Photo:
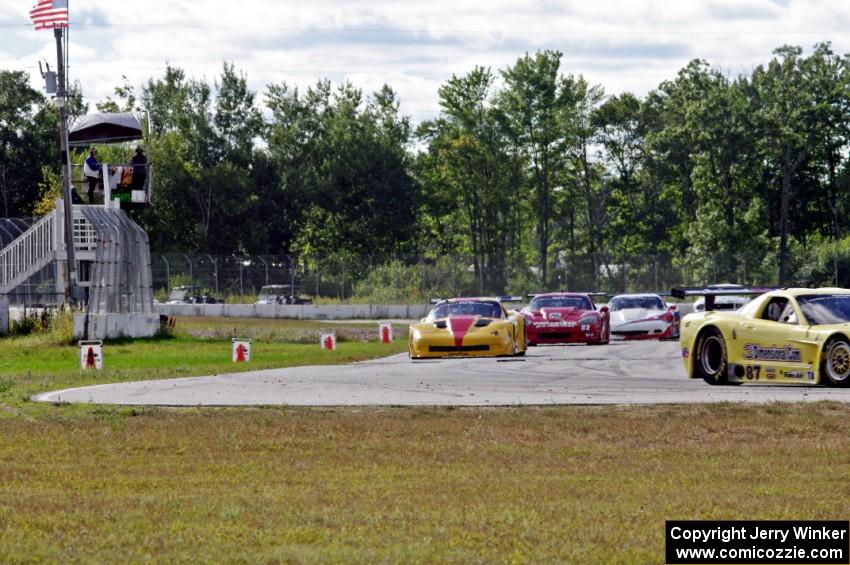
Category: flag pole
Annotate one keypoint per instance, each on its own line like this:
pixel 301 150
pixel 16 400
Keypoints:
pixel 67 43
pixel 71 267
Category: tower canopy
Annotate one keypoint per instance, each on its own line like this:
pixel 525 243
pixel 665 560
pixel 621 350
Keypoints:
pixel 105 128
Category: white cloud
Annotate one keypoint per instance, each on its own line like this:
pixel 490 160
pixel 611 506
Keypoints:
pixel 415 46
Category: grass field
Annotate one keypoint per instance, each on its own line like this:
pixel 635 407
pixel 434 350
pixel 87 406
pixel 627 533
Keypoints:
pixel 573 484
pixel 562 484
pixel 38 363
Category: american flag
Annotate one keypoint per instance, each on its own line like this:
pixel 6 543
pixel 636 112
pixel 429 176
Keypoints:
pixel 48 14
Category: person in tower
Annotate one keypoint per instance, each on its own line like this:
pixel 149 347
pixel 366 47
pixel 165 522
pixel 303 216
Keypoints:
pixel 139 169
pixel 92 172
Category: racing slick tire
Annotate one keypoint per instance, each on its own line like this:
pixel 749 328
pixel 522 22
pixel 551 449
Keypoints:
pixel 711 360
pixel 835 366
pixel 604 336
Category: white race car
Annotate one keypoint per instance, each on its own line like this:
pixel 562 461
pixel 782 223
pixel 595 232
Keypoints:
pixel 723 302
pixel 642 316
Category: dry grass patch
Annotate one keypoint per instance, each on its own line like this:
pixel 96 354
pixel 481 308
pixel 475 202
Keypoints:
pixel 577 484
pixel 281 330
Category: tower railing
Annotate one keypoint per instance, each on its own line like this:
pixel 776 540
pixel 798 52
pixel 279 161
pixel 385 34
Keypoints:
pixel 31 251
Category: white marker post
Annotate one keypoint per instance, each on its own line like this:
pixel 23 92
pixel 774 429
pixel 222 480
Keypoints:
pixel 91 354
pixel 328 342
pixel 385 332
pixel 241 350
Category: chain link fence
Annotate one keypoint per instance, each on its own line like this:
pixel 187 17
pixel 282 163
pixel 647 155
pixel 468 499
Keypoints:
pixel 410 279
pixel 389 280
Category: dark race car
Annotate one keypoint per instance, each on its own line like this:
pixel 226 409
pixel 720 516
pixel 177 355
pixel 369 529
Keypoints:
pixel 566 317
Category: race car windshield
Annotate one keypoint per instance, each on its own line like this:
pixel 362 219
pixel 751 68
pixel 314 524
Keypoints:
pixel 821 309
pixel 483 309
pixel 643 302
pixel 577 302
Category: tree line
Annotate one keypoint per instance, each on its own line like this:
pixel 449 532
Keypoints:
pixel 528 170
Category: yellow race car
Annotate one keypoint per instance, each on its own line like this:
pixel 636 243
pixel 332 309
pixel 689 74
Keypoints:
pixel 469 327
pixel 789 336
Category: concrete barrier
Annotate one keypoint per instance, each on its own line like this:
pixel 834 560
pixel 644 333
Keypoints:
pixel 109 326
pixel 316 311
pixel 300 311
pixel 4 314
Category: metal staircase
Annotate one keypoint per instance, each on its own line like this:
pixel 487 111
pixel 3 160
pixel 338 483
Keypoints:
pixel 112 262
pixel 29 253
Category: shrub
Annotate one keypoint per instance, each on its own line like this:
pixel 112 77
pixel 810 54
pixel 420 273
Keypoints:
pixel 398 282
pixel 54 327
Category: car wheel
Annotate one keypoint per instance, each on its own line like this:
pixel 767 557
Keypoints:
pixel 711 359
pixel 835 366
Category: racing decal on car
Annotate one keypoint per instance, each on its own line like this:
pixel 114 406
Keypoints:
pixel 685 352
pixel 459 326
pixel 792 375
pixel 555 316
pixel 758 353
pixel 770 373
pixel 810 375
pixel 554 324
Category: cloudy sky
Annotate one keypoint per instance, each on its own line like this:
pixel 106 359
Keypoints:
pixel 414 46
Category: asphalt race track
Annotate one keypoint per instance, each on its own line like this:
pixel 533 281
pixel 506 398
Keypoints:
pixel 620 373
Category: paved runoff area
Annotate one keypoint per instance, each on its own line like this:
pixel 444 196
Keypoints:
pixel 620 373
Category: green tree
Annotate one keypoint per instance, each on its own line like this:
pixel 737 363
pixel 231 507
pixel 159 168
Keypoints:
pixel 126 99
pixel 830 77
pixel 785 111
pixel 473 170
pixel 204 143
pixel 588 174
pixel 702 152
pixel 29 139
pixel 238 122
pixel 725 177
pixel 620 133
pixel 343 167
pixel 531 102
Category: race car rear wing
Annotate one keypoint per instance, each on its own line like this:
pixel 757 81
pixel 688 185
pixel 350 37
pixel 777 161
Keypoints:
pixel 711 293
pixel 573 292
pixel 499 298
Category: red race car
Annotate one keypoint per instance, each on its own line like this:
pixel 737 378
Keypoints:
pixel 566 317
